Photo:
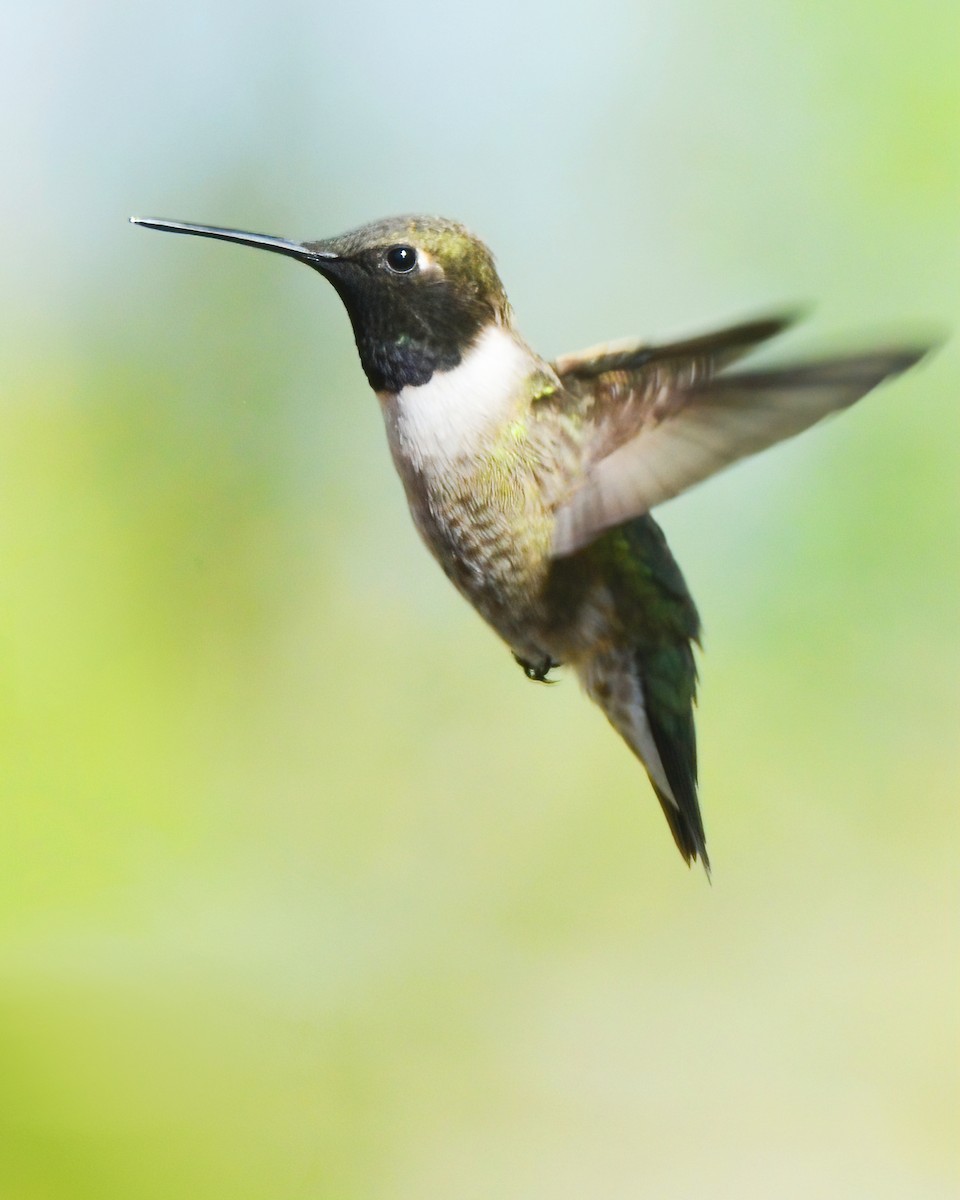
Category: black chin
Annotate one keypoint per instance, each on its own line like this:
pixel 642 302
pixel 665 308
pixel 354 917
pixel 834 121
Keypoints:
pixel 392 366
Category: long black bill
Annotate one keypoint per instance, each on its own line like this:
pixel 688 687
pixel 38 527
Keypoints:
pixel 314 258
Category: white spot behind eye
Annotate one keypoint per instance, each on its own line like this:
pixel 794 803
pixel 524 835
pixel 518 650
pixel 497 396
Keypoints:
pixel 427 263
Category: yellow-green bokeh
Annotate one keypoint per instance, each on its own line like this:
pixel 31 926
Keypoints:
pixel 304 891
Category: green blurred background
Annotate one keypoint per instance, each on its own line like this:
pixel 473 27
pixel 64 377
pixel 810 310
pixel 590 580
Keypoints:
pixel 304 891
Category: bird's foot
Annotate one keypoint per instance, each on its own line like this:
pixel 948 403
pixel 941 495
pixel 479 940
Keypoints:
pixel 539 670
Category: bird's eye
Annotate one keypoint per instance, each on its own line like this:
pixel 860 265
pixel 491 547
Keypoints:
pixel 401 259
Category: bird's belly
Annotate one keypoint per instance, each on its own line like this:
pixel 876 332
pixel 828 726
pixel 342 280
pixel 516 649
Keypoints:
pixel 496 552
pixel 499 559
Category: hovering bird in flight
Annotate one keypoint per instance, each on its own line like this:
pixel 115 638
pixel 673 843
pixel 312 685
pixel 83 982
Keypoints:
pixel 532 482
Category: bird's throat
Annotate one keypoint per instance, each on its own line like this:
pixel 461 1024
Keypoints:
pixel 453 414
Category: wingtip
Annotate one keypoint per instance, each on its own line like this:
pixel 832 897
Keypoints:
pixel 777 321
pixel 910 356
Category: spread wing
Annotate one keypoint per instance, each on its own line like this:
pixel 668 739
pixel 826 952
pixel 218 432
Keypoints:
pixel 659 419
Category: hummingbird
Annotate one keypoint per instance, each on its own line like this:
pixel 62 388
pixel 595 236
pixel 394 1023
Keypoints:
pixel 532 481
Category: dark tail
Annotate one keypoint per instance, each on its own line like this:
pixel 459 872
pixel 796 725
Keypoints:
pixel 647 683
pixel 668 676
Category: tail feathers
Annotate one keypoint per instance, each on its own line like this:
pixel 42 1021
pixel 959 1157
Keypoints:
pixel 648 698
pixel 687 829
pixel 669 695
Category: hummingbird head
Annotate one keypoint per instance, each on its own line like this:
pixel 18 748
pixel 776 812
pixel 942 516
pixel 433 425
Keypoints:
pixel 418 290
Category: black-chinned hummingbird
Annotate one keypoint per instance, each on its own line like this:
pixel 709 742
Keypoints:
pixel 532 482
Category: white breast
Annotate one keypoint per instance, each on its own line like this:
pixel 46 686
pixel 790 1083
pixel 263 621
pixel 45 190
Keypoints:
pixel 450 416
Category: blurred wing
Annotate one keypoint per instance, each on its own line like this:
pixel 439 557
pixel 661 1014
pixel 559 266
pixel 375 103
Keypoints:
pixel 662 427
pixel 618 389
pixel 712 351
